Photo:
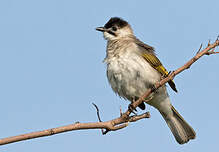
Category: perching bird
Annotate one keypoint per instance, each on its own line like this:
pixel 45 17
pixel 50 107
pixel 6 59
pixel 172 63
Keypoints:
pixel 133 68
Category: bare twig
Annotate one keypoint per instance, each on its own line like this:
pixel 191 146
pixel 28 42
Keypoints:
pixel 209 42
pixel 199 49
pixel 98 115
pixel 98 112
pixel 124 119
pixel 120 110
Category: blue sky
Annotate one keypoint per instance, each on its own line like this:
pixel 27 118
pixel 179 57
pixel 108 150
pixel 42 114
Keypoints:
pixel 51 72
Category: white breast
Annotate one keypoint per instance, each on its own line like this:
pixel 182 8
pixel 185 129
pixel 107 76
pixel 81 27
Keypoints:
pixel 130 75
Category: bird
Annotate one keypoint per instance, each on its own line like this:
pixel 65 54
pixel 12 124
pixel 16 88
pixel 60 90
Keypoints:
pixel 133 68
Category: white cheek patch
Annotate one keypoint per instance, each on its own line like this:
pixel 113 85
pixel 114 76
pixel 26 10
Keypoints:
pixel 108 36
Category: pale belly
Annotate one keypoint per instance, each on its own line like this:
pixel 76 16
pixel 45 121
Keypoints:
pixel 131 76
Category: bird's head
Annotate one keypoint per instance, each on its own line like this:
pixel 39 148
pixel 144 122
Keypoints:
pixel 115 28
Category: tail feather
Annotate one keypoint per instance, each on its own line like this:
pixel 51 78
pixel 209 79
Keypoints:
pixel 181 130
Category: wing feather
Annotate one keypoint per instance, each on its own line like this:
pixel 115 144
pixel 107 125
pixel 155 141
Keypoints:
pixel 150 57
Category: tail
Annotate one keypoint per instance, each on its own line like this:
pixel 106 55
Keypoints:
pixel 181 130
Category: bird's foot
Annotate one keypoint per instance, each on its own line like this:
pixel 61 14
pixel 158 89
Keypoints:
pixel 153 88
pixel 132 109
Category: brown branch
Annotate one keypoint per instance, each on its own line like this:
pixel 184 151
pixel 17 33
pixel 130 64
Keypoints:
pixel 125 118
pixel 110 125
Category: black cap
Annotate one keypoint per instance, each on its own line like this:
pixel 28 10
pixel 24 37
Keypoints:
pixel 116 21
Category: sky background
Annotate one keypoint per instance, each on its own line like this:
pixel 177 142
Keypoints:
pixel 51 71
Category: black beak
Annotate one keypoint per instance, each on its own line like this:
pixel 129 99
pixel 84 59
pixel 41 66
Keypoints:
pixel 101 29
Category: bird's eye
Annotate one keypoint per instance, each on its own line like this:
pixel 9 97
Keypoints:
pixel 114 28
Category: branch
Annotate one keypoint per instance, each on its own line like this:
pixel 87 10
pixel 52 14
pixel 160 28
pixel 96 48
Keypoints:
pixel 110 125
pixel 125 118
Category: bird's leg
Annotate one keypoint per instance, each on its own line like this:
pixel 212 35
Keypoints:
pixel 131 108
pixel 153 88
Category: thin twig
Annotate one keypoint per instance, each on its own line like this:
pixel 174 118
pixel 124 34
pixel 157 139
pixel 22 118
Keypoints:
pixel 209 42
pixel 199 49
pixel 98 115
pixel 98 112
pixel 120 110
